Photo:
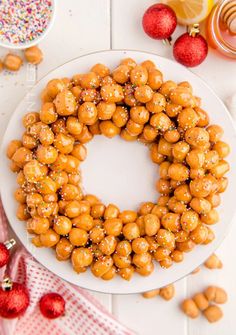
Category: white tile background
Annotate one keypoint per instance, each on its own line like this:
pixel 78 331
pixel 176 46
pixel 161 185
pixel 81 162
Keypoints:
pixel 84 26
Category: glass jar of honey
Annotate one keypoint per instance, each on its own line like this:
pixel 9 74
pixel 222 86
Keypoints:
pixel 221 28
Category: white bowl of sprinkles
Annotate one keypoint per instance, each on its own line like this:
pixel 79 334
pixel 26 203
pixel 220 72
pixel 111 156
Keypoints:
pixel 24 23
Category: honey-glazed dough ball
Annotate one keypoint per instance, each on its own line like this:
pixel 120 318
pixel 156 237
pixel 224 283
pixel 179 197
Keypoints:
pixel 113 226
pixel 78 237
pixel 29 142
pixel 197 136
pixel 180 150
pixel 33 171
pixel 189 220
pixel 164 147
pixel 54 87
pixel 85 135
pixel 112 93
pixel 155 78
pixel 215 132
pixel 81 257
pixel 210 217
pixel 48 113
pixel 160 121
pixel 124 248
pixel 30 118
pixel 120 116
pixel 222 149
pixel 101 70
pixel 109 129
pixel 151 224
pixel 130 62
pixel 125 135
pixel 102 266
pixel 59 126
pixel 166 239
pixel 110 274
pixel 187 118
pixel 139 75
pixel 121 74
pixel 177 256
pixel 142 260
pixel 171 222
pixel 140 245
pixel 134 128
pixel 12 147
pixel 172 110
pixel 108 245
pixel 143 93
pixel 182 193
pixel 178 172
pixel 128 216
pixel 195 158
pixel 145 270
pixel 65 103
pixel 139 114
pixel 131 231
pixel 172 135
pixel 49 239
pixel 149 133
pixel 87 113
pixel 73 125
pixel 63 249
pixel 157 103
pixel 46 136
pixel 89 80
pixel 200 187
pixel 106 110
pixel 185 246
pixel 64 143
pixel 46 155
pixel 182 96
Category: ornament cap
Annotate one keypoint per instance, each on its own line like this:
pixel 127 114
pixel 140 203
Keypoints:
pixel 194 30
pixel 9 244
pixel 167 41
pixel 7 284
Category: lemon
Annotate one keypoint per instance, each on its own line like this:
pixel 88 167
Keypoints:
pixel 190 11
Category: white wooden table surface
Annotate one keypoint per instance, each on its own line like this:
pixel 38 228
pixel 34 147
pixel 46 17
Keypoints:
pixel 84 26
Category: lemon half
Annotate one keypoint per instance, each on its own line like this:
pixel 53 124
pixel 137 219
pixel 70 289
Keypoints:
pixel 190 11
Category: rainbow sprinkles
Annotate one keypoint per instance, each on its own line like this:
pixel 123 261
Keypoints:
pixel 23 21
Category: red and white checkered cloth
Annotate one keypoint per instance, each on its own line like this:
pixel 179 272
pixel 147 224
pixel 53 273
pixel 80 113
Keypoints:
pixel 84 314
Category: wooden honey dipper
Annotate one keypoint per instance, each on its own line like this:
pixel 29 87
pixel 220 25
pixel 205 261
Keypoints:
pixel 228 16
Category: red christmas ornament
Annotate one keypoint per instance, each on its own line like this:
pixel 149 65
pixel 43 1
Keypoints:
pixel 4 251
pixel 52 305
pixel 14 299
pixel 159 22
pixel 191 48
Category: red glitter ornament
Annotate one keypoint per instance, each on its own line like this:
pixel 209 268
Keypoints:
pixel 191 48
pixel 4 251
pixel 159 22
pixel 52 305
pixel 14 299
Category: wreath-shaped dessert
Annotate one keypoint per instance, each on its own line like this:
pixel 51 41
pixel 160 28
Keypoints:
pixel 134 102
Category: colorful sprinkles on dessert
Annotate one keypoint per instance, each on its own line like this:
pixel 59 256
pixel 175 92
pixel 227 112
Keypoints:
pixel 22 21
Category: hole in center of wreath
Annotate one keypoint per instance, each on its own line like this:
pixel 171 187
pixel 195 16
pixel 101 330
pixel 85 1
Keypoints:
pixel 119 172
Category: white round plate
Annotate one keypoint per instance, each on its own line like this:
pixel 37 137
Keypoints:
pixel 121 173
